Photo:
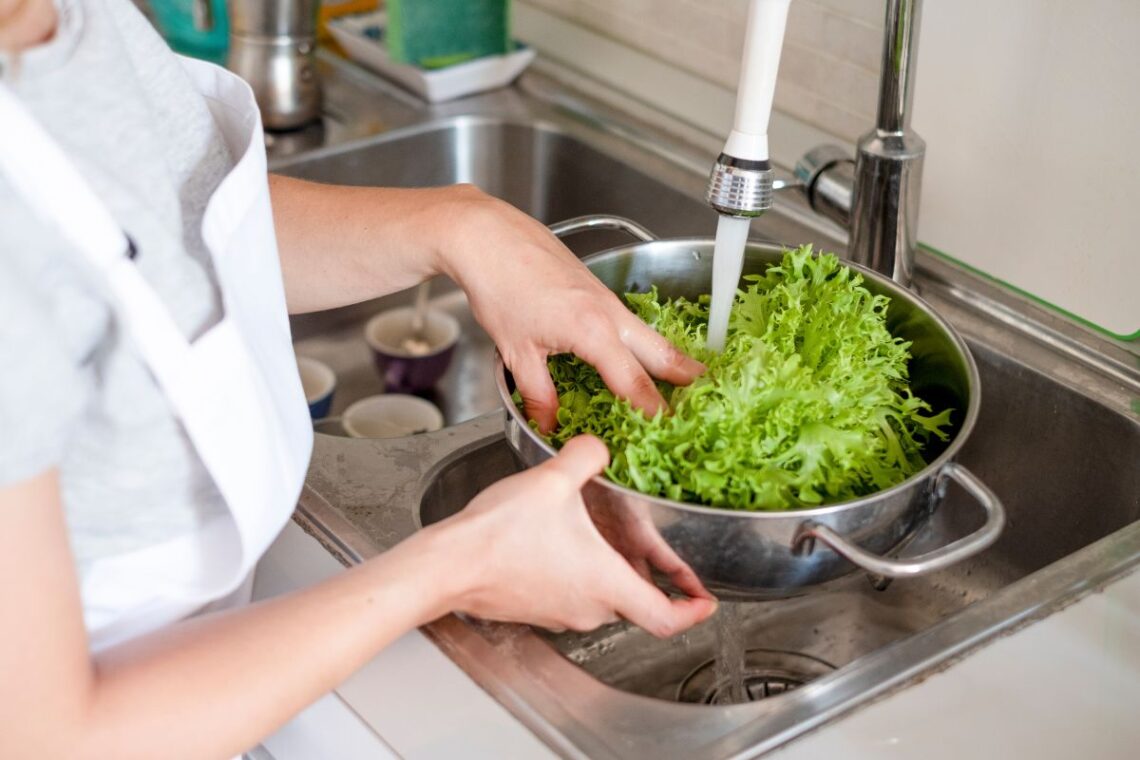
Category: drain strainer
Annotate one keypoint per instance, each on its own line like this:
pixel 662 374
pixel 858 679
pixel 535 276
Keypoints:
pixel 767 673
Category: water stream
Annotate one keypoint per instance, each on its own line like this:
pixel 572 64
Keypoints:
pixel 730 655
pixel 728 261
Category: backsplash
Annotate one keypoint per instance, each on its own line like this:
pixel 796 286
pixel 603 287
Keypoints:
pixel 829 69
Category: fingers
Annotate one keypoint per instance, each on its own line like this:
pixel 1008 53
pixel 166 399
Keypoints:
pixel 580 459
pixel 661 556
pixel 687 582
pixel 642 604
pixel 621 371
pixel 688 612
pixel 660 357
pixel 540 399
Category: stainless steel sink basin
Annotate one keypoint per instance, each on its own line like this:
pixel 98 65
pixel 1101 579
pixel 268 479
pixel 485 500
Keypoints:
pixel 1058 439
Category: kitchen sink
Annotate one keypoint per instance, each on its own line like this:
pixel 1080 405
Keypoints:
pixel 1058 439
pixel 1065 468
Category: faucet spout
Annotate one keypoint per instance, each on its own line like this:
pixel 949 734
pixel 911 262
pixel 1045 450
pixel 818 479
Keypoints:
pixel 740 183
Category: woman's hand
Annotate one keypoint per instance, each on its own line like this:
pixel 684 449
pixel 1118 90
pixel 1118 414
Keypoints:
pixel 525 550
pixel 535 298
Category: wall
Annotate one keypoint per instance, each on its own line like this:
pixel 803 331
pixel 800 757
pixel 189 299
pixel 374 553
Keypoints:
pixel 829 69
pixel 1029 108
pixel 1031 113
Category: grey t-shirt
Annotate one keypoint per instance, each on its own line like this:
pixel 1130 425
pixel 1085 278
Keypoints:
pixel 73 394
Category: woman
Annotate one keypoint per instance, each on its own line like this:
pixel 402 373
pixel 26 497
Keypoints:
pixel 153 436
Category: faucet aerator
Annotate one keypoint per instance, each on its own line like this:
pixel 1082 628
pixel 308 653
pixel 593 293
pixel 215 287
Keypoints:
pixel 740 187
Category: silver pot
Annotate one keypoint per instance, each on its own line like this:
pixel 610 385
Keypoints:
pixel 756 555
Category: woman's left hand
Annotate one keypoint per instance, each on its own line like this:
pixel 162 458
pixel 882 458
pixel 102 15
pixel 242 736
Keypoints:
pixel 535 298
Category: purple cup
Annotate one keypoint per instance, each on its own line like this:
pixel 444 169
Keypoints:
pixel 405 369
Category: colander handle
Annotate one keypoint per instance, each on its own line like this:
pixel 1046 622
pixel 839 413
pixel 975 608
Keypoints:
pixel 602 222
pixel 938 559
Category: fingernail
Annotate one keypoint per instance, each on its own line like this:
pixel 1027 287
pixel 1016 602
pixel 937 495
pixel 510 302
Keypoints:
pixel 651 409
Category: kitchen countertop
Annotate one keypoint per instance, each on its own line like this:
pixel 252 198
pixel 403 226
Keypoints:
pixel 1064 684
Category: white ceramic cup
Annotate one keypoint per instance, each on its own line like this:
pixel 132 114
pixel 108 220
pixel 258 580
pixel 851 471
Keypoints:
pixel 391 415
pixel 318 382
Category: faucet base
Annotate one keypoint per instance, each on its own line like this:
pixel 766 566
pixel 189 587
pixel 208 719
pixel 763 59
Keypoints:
pixel 884 216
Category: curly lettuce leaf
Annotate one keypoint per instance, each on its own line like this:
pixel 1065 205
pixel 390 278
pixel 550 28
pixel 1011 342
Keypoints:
pixel 808 404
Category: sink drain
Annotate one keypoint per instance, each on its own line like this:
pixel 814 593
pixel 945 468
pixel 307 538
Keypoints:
pixel 767 673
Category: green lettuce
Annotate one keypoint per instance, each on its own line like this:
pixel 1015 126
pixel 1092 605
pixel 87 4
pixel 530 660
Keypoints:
pixel 808 404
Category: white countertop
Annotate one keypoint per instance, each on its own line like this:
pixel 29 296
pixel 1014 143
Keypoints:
pixel 1066 686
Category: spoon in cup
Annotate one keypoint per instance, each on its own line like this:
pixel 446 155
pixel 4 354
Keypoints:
pixel 416 343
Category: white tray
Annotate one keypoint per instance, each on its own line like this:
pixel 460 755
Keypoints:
pixel 435 85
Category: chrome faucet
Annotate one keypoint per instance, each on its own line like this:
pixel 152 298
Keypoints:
pixel 876 194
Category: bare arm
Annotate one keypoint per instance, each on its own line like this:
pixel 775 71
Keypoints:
pixel 216 685
pixel 340 245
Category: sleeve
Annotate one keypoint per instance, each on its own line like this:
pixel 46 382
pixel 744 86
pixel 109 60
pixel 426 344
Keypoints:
pixel 43 388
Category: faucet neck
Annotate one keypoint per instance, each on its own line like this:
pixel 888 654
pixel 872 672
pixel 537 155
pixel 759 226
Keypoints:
pixel 900 51
pixel 888 162
pixel 878 195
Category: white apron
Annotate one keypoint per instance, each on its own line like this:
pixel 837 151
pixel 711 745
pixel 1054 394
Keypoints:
pixel 235 389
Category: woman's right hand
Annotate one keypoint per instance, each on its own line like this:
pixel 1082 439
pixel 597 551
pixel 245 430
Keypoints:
pixel 529 552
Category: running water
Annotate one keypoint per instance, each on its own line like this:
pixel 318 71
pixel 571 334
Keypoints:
pixel 729 670
pixel 728 262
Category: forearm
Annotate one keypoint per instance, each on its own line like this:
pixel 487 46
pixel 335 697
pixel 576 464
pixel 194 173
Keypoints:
pixel 340 245
pixel 213 687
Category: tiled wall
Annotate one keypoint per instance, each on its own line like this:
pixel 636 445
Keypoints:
pixel 828 71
